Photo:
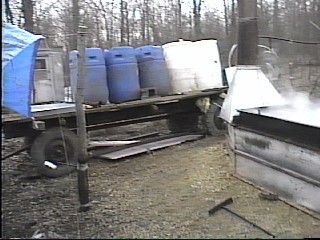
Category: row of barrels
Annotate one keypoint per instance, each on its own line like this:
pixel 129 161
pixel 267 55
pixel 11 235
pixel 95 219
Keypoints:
pixel 118 75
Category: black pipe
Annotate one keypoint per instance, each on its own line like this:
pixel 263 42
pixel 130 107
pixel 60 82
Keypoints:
pixel 247 32
pixel 246 220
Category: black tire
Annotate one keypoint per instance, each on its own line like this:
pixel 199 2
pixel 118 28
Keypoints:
pixel 58 144
pixel 183 123
pixel 29 141
pixel 213 124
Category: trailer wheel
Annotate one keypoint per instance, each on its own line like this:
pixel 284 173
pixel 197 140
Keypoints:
pixel 213 124
pixel 28 141
pixel 183 123
pixel 57 144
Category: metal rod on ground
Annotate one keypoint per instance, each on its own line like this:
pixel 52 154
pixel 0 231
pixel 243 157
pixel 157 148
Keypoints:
pixel 220 205
pixel 23 148
pixel 228 201
pixel 246 220
pixel 82 168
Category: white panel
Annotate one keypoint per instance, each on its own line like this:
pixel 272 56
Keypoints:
pixel 52 108
pixel 207 65
pixel 250 88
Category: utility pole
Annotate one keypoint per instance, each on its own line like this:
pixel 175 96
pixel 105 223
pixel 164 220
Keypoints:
pixel 247 32
pixel 82 167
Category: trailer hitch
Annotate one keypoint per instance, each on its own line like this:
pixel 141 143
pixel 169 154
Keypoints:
pixel 228 201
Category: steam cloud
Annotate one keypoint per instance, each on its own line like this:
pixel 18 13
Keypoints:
pixel 298 108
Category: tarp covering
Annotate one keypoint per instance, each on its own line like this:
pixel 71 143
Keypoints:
pixel 18 60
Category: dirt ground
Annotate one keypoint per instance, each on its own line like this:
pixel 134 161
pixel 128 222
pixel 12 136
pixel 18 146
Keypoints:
pixel 162 194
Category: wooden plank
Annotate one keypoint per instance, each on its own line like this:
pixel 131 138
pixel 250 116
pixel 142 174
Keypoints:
pixel 141 136
pixel 110 143
pixel 42 115
pixel 149 146
pixel 12 118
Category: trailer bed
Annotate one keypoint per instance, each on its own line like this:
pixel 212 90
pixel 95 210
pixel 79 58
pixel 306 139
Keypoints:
pixel 108 115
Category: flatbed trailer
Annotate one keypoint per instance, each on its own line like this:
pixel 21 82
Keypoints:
pixel 51 133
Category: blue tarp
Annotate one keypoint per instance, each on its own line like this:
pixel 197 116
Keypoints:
pixel 18 60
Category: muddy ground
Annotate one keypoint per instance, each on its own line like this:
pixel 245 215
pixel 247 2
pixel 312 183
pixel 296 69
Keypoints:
pixel 163 194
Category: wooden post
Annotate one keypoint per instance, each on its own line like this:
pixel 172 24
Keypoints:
pixel 82 168
pixel 247 32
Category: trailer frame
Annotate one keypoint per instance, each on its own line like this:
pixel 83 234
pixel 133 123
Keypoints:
pixel 179 109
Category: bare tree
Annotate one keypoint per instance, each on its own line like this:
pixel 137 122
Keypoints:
pixel 179 19
pixel 27 9
pixel 140 22
pixel 8 12
pixel 122 20
pixel 276 29
pixel 155 21
pixel 75 24
pixel 197 18
pixel 226 22
pixel 127 23
pixel 233 34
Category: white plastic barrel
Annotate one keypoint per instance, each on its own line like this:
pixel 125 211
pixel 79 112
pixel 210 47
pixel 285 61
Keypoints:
pixel 206 64
pixel 179 59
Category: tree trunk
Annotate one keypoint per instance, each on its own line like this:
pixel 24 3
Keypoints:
pixel 276 29
pixel 127 24
pixel 226 24
pixel 233 23
pixel 122 23
pixel 197 18
pixel 179 20
pixel 155 29
pixel 111 26
pixel 98 34
pixel 8 12
pixel 148 23
pixel 75 24
pixel 27 8
pixel 133 27
pixel 143 22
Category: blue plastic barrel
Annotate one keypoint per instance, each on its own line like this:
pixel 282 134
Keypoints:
pixel 95 84
pixel 122 73
pixel 153 71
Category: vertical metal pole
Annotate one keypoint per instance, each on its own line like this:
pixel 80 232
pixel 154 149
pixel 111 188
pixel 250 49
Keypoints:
pixel 248 32
pixel 82 167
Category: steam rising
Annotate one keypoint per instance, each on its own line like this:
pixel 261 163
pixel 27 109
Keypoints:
pixel 298 108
